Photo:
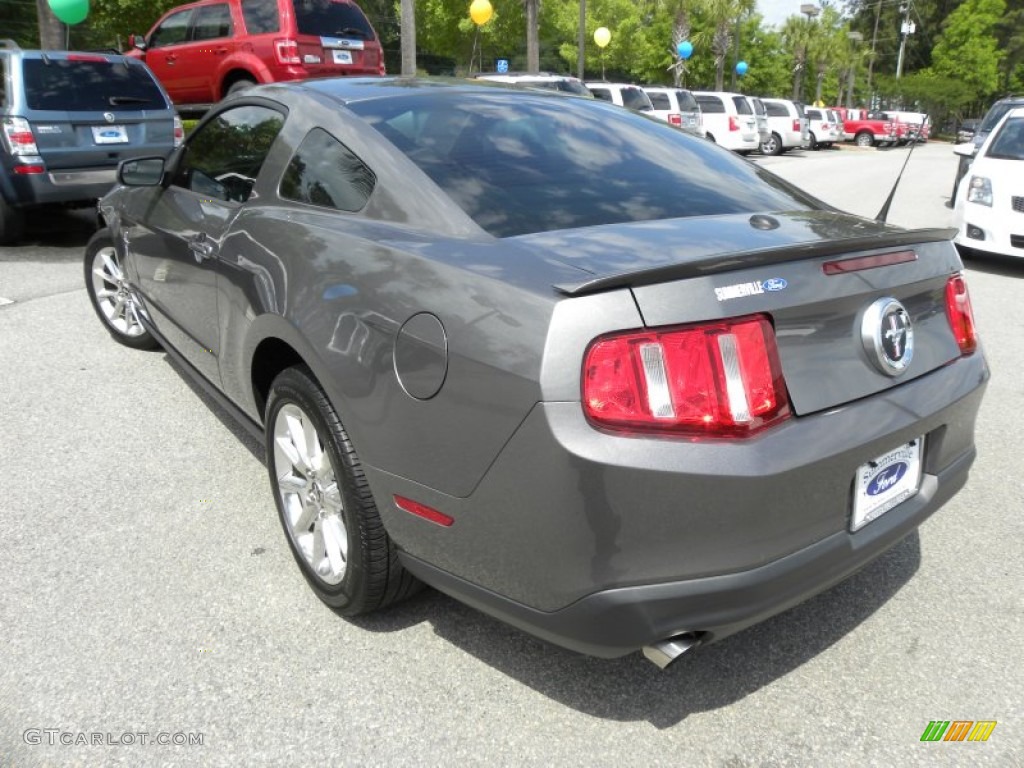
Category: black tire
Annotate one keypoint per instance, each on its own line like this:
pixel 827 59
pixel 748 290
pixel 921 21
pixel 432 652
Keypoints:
pixel 864 139
pixel 12 223
pixel 814 142
pixel 240 85
pixel 710 137
pixel 319 495
pixel 110 295
pixel 772 145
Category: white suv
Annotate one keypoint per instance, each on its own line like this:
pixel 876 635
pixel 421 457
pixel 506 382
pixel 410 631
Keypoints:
pixel 623 94
pixel 823 127
pixel 677 107
pixel 729 120
pixel 788 125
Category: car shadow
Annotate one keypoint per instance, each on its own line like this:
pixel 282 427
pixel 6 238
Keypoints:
pixel 633 689
pixel 993 263
pixel 60 228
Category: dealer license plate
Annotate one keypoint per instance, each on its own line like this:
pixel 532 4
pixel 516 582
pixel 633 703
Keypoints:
pixel 342 57
pixel 109 134
pixel 886 482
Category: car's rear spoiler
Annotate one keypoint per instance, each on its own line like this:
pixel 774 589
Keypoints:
pixel 728 262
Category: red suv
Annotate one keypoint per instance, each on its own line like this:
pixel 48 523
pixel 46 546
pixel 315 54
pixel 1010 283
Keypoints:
pixel 202 51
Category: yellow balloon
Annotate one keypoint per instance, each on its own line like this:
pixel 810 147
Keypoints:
pixel 480 12
pixel 602 36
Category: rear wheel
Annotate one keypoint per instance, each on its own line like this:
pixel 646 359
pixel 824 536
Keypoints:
pixel 325 504
pixel 865 139
pixel 12 223
pixel 111 295
pixel 772 145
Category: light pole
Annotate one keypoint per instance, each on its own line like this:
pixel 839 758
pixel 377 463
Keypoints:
pixel 855 38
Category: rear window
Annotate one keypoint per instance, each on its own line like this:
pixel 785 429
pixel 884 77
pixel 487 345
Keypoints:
pixel 634 98
pixel 529 163
pixel 813 114
pixel 90 86
pixel 710 104
pixel 260 17
pixel 331 18
pixel 742 105
pixel 659 100
pixel 601 93
pixel 686 101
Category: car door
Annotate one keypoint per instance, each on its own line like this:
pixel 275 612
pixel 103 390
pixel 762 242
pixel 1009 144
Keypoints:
pixel 163 49
pixel 175 244
pixel 212 43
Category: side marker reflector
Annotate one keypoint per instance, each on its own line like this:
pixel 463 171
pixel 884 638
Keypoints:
pixel 422 510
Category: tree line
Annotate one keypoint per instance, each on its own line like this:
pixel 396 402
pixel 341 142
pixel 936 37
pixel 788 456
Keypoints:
pixel 961 54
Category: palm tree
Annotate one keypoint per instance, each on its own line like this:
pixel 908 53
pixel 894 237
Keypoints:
pixel 797 33
pixel 722 14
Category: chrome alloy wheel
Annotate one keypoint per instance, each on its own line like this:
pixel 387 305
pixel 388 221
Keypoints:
pixel 113 296
pixel 309 494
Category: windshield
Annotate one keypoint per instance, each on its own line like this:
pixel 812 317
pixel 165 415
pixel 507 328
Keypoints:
pixel 519 162
pixel 90 84
pixel 331 18
pixel 1008 143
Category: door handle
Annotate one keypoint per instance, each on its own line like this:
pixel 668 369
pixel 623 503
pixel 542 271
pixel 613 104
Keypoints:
pixel 202 247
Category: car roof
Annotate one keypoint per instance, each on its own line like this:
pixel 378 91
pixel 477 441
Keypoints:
pixel 351 90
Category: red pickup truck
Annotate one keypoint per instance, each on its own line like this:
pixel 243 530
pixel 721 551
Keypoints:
pixel 869 129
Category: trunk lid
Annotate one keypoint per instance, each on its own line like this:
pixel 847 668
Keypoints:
pixel 694 270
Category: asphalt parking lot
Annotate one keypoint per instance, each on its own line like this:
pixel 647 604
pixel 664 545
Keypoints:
pixel 148 588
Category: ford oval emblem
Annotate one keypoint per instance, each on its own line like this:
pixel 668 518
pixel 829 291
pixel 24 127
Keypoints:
pixel 887 478
pixel 774 284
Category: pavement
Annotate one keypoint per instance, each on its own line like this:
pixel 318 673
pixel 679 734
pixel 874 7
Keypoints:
pixel 148 588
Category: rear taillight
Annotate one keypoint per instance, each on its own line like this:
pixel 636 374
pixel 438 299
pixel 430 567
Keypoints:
pixel 676 120
pixel 29 170
pixel 179 131
pixel 960 314
pixel 716 379
pixel 287 51
pixel 18 138
pixel 796 126
pixel 734 123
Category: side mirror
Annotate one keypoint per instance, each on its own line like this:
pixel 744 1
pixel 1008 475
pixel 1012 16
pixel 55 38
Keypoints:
pixel 967 149
pixel 137 41
pixel 141 172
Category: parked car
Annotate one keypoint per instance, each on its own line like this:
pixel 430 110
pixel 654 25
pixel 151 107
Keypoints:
pixel 729 120
pixel 761 115
pixel 965 129
pixel 67 119
pixel 823 127
pixel 563 83
pixel 917 125
pixel 203 51
pixel 788 126
pixel 621 94
pixel 676 106
pixel 991 197
pixel 583 371
pixel 993 116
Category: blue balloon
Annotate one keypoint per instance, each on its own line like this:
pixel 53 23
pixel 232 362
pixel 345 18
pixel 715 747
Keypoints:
pixel 685 49
pixel 741 67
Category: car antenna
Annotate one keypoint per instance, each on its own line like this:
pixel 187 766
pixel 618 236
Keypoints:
pixel 884 213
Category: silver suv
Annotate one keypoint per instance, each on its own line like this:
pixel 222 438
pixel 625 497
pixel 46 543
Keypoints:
pixel 66 120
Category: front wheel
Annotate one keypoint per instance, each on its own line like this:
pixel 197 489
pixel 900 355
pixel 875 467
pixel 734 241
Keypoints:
pixel 324 502
pixel 772 145
pixel 111 295
pixel 865 139
pixel 814 145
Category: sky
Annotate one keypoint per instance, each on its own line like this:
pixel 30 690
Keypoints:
pixel 775 12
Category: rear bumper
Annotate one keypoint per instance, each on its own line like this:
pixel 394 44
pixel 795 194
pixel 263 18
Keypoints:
pixel 66 186
pixel 615 622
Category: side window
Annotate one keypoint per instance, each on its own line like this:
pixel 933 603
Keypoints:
pixel 659 100
pixel 223 158
pixel 813 114
pixel 3 81
pixel 742 105
pixel 601 93
pixel 775 109
pixel 174 30
pixel 324 172
pixel 212 21
pixel 260 16
pixel 711 104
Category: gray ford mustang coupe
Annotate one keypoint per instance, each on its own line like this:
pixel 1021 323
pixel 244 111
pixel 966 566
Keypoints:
pixel 572 366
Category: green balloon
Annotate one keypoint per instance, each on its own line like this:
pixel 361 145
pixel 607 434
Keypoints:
pixel 70 11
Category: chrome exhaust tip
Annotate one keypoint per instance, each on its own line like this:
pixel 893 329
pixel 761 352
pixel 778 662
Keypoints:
pixel 666 651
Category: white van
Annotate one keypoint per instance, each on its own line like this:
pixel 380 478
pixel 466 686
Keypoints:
pixel 729 120
pixel 677 107
pixel 788 125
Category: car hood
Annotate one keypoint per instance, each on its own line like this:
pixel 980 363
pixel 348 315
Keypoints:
pixel 646 252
